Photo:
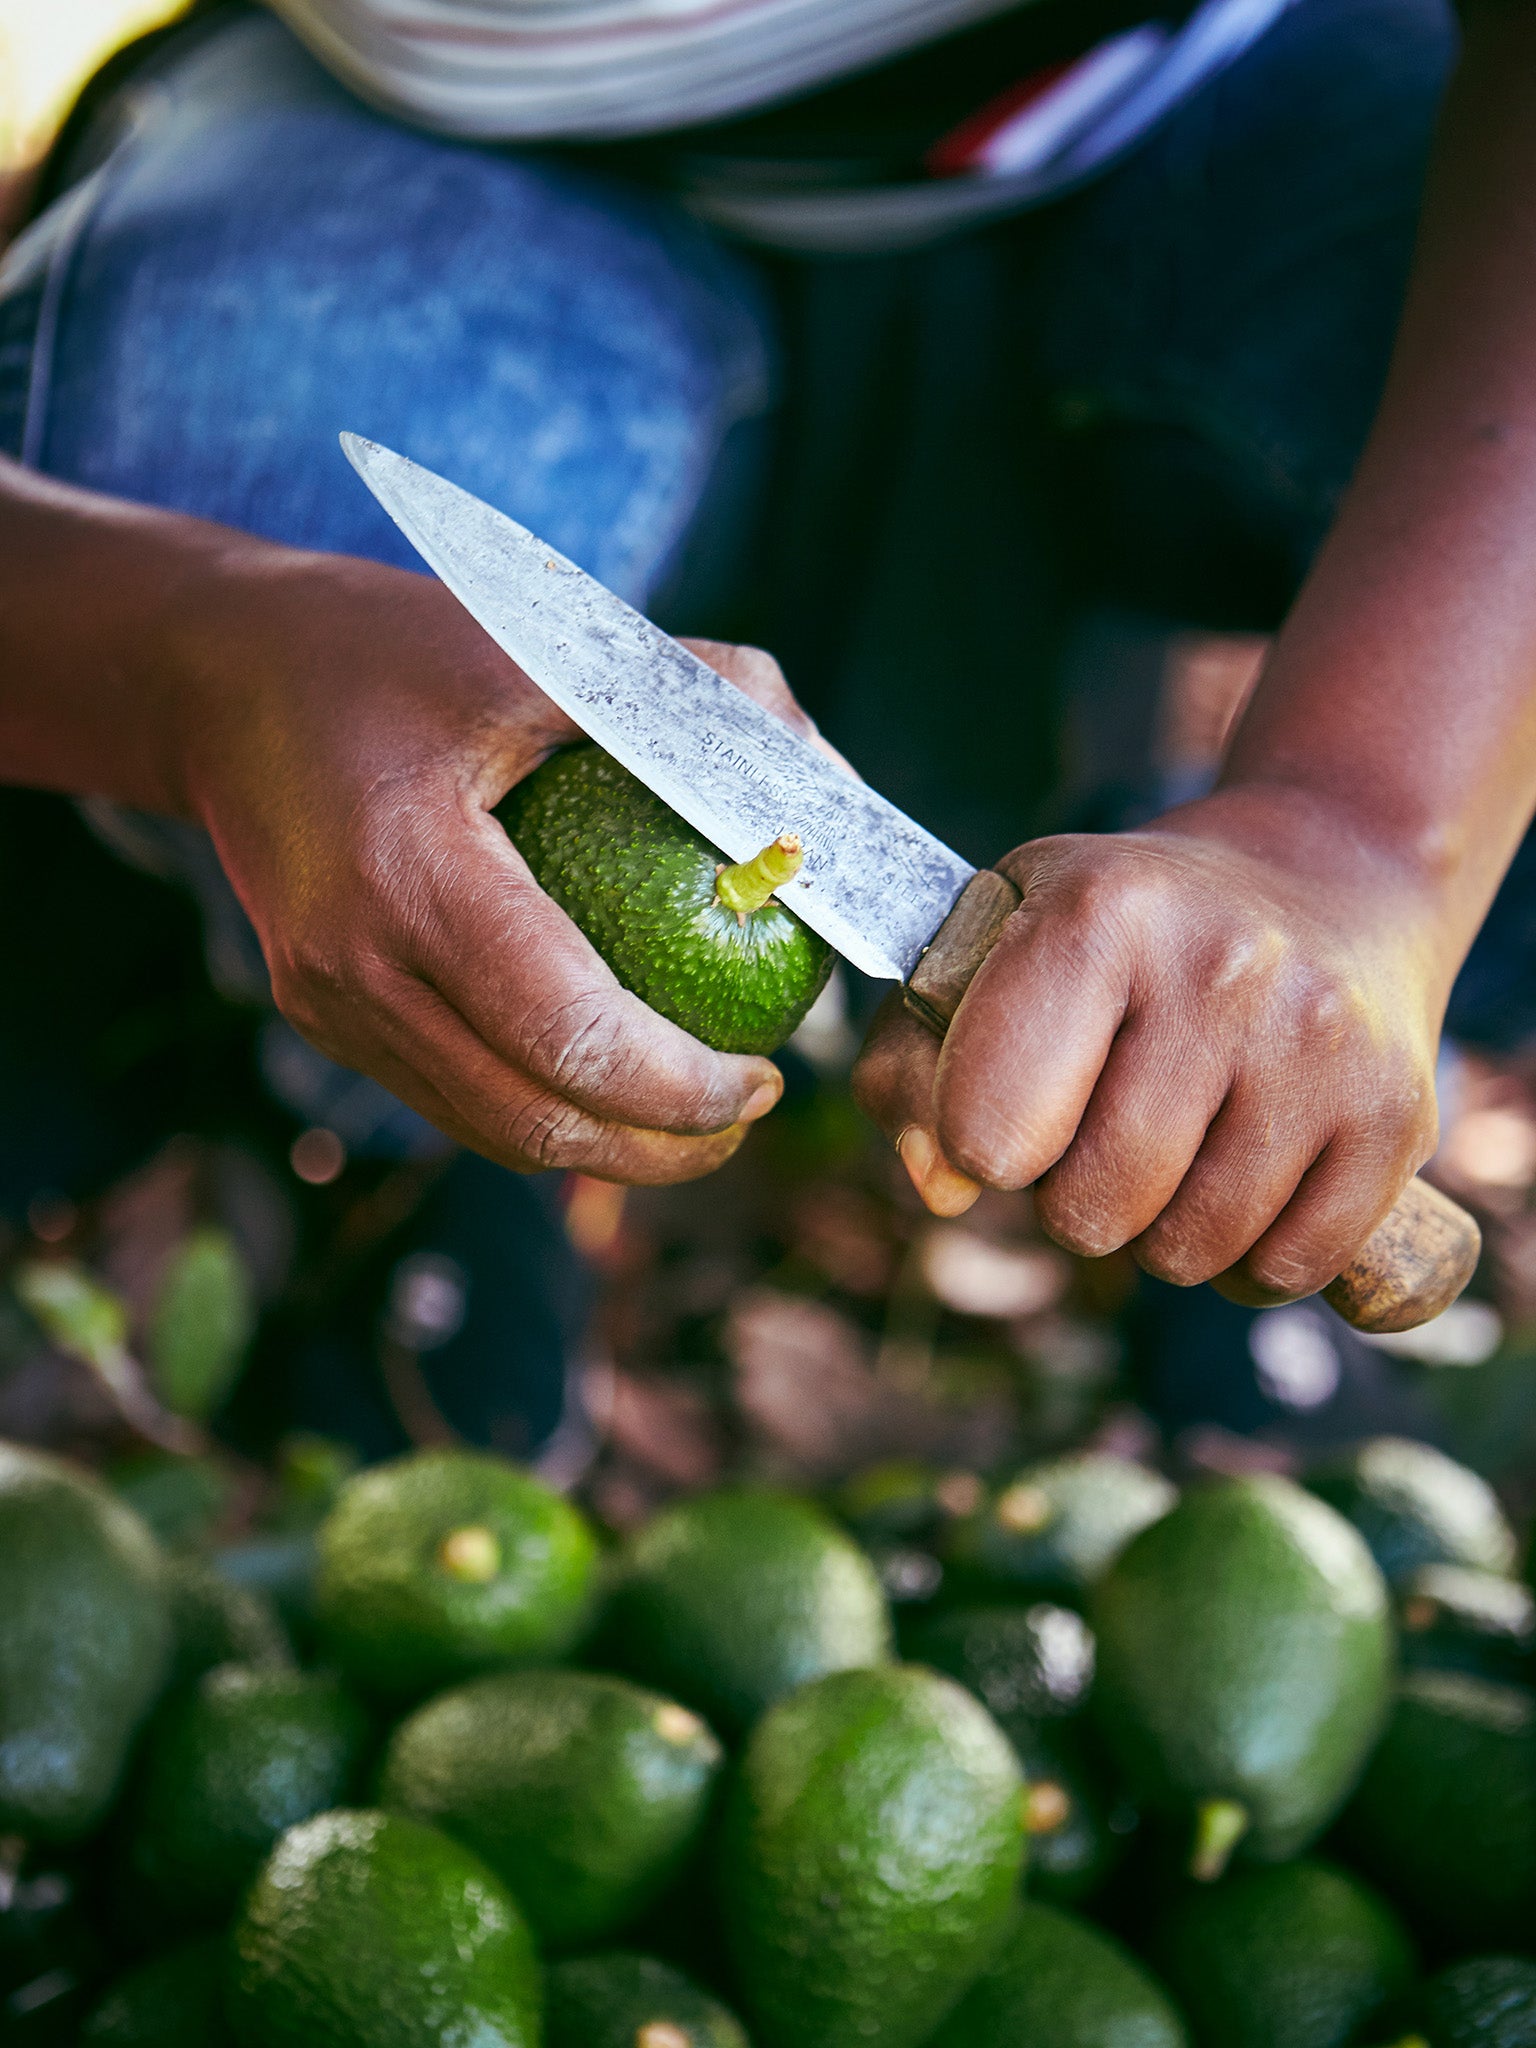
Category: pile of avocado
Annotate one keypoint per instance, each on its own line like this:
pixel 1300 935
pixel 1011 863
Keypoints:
pixel 1250 1765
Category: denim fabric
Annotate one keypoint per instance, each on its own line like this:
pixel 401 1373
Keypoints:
pixel 264 261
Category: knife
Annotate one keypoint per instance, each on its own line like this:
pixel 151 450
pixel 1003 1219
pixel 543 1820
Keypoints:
pixel 893 900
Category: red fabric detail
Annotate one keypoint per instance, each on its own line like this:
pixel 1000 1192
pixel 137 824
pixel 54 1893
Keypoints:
pixel 957 152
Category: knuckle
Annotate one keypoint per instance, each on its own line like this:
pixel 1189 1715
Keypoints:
pixel 547 1132
pixel 1324 1012
pixel 1409 1119
pixel 870 1087
pixel 1105 893
pixel 991 1159
pixel 1182 1259
pixel 1288 1268
pixel 1074 1219
pixel 572 1042
pixel 312 981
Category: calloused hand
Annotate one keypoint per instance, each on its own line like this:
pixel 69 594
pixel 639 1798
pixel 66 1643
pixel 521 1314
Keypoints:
pixel 1212 1040
pixel 346 731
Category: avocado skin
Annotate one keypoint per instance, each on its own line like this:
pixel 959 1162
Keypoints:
pixel 397 1624
pixel 1451 1618
pixel 640 884
pixel 870 1853
pixel 1445 1816
pixel 603 2001
pixel 728 1601
pixel 228 1765
pixel 894 1501
pixel 85 1643
pixel 1073 1861
pixel 175 2000
pixel 1415 1506
pixel 563 1783
pixel 217 1622
pixel 370 1930
pixel 1297 1957
pixel 1096 1504
pixel 1057 1982
pixel 1036 1661
pixel 1245 1652
pixel 1032 1669
pixel 1484 2002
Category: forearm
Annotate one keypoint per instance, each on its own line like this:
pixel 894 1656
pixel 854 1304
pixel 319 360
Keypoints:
pixel 89 591
pixel 1401 695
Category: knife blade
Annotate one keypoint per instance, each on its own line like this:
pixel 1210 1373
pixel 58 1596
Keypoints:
pixel 890 897
pixel 875 885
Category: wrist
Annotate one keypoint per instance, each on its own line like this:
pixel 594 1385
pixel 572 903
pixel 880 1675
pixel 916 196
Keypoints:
pixel 203 663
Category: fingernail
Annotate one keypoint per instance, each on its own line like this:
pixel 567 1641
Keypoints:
pixel 762 1101
pixel 916 1151
pixel 944 1192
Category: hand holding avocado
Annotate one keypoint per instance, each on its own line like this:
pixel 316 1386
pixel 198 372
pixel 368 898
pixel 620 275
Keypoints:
pixel 345 730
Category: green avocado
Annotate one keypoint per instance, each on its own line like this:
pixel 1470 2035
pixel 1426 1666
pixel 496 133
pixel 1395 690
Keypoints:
pixel 1245 1654
pixel 447 1564
pixel 1450 1618
pixel 1484 2002
pixel 175 2000
pixel 730 1600
pixel 1445 1817
pixel 278 1568
pixel 584 1794
pixel 900 1500
pixel 621 2000
pixel 371 1930
pixel 1032 1668
pixel 1057 1982
pixel 642 885
pixel 1036 1661
pixel 1055 1529
pixel 50 1945
pixel 1296 1957
pixel 1415 1506
pixel 85 1643
pixel 217 1622
pixel 870 1853
pixel 1078 1821
pixel 228 1765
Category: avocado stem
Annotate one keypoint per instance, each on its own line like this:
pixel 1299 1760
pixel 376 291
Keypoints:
pixel 471 1555
pixel 1220 1824
pixel 748 885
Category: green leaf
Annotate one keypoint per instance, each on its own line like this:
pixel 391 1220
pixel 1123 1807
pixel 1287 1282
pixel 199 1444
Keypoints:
pixel 75 1312
pixel 201 1324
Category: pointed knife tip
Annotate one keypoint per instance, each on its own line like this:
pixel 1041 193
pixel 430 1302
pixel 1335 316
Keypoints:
pixel 360 451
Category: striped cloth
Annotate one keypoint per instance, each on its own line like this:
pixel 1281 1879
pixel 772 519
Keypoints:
pixel 610 70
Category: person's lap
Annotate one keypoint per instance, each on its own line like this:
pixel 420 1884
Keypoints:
pixel 262 261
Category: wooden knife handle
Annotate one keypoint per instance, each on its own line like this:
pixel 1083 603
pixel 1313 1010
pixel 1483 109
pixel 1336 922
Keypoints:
pixel 1411 1267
